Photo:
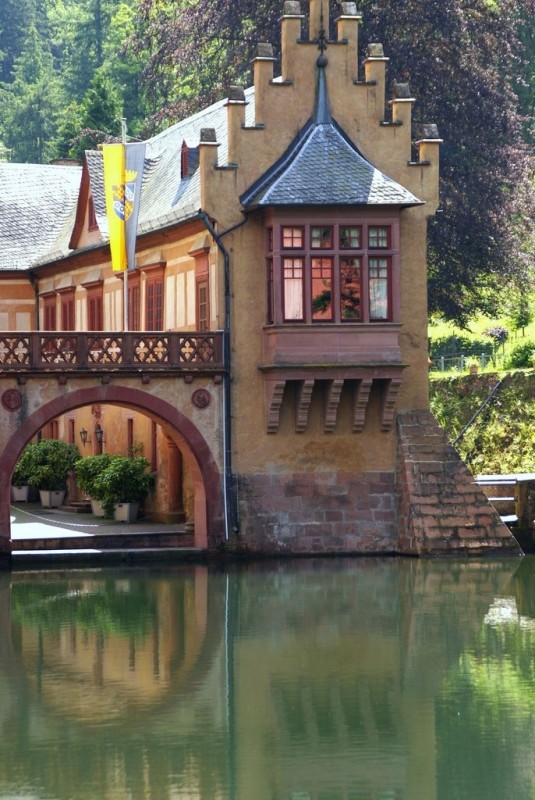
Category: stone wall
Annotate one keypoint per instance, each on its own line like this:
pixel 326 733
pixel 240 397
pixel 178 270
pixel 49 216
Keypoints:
pixel 321 512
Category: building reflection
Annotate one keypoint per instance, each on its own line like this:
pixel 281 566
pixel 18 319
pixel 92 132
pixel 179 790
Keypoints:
pixel 300 681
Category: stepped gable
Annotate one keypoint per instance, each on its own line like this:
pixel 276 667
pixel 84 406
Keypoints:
pixel 441 510
pixel 37 212
pixel 323 167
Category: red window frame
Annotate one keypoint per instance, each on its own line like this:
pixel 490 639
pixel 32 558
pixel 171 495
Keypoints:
pixel 380 287
pixel 95 308
pixel 68 311
pixel 322 286
pixel 203 304
pixel 321 237
pixel 49 313
pixel 381 235
pixel 342 250
pixel 294 283
pixel 134 302
pixel 293 237
pixel 154 304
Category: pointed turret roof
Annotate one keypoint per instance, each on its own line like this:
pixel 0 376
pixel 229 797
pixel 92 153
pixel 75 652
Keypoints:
pixel 322 166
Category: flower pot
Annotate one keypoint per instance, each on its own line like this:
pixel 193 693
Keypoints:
pixel 96 508
pixel 52 498
pixel 19 494
pixel 126 512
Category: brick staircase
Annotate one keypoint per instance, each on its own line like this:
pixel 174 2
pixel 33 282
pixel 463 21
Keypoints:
pixel 442 510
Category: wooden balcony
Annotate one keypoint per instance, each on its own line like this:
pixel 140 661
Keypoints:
pixel 99 351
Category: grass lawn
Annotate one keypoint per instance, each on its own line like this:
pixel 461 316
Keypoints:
pixel 439 329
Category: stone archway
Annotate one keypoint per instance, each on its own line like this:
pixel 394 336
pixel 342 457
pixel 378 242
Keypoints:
pixel 208 505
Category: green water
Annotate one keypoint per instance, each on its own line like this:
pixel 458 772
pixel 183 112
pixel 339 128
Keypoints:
pixel 341 679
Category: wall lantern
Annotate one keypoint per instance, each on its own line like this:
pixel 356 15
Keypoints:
pixel 83 436
pixel 99 434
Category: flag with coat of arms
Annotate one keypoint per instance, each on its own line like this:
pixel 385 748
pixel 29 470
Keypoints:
pixel 123 177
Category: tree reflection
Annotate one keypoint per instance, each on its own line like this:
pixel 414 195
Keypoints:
pixel 486 709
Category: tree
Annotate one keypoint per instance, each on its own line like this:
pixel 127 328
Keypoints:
pixel 195 51
pixel 15 17
pixel 460 59
pixel 525 83
pixel 30 104
pixel 97 119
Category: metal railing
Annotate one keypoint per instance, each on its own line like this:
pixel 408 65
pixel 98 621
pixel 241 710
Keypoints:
pixel 105 351
pixel 461 362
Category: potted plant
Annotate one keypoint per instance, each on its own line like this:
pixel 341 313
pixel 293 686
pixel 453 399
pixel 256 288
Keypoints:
pixel 87 471
pixel 473 366
pixel 47 465
pixel 123 485
pixel 19 484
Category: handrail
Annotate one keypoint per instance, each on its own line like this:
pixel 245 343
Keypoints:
pixel 478 412
pixel 110 351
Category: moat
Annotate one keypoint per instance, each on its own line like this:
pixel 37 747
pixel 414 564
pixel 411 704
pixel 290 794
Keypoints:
pixel 312 679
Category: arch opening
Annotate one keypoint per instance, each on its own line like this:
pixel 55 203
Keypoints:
pixel 178 429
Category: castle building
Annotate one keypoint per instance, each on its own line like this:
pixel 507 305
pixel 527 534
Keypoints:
pixel 275 366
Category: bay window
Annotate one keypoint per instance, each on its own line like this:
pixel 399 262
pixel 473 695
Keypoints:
pixel 332 271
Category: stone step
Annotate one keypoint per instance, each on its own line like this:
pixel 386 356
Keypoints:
pixel 77 507
pixel 106 541
pixel 36 559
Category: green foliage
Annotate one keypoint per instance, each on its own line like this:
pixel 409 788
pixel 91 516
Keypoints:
pixel 15 17
pixel 101 608
pixel 461 59
pixel 87 471
pixel 47 464
pixel 521 356
pixel 30 104
pixel 20 475
pixel 521 313
pixel 502 439
pixel 123 480
pixel 459 344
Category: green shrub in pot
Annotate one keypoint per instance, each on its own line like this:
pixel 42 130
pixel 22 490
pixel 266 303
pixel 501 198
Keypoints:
pixel 46 464
pixel 123 480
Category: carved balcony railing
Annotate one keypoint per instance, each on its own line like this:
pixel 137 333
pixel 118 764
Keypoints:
pixel 111 352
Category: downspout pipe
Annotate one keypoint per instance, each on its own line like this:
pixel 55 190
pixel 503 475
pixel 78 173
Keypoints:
pixel 231 501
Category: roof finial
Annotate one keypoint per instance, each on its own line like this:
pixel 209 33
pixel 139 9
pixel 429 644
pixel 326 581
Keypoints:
pixel 322 36
pixel 322 115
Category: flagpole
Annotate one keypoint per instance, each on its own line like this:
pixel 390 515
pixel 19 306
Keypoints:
pixel 125 282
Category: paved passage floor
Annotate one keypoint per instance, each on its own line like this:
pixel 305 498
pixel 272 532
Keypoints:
pixel 31 521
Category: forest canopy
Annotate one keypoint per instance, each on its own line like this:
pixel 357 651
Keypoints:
pixel 71 69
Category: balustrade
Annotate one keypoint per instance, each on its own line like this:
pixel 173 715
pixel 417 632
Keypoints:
pixel 103 351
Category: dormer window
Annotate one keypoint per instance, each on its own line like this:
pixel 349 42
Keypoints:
pixel 91 216
pixel 332 271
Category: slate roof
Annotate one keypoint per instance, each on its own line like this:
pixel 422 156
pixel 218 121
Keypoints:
pixel 166 197
pixel 37 212
pixel 38 202
pixel 322 166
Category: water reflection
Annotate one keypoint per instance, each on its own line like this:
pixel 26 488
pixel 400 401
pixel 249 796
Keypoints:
pixel 307 680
